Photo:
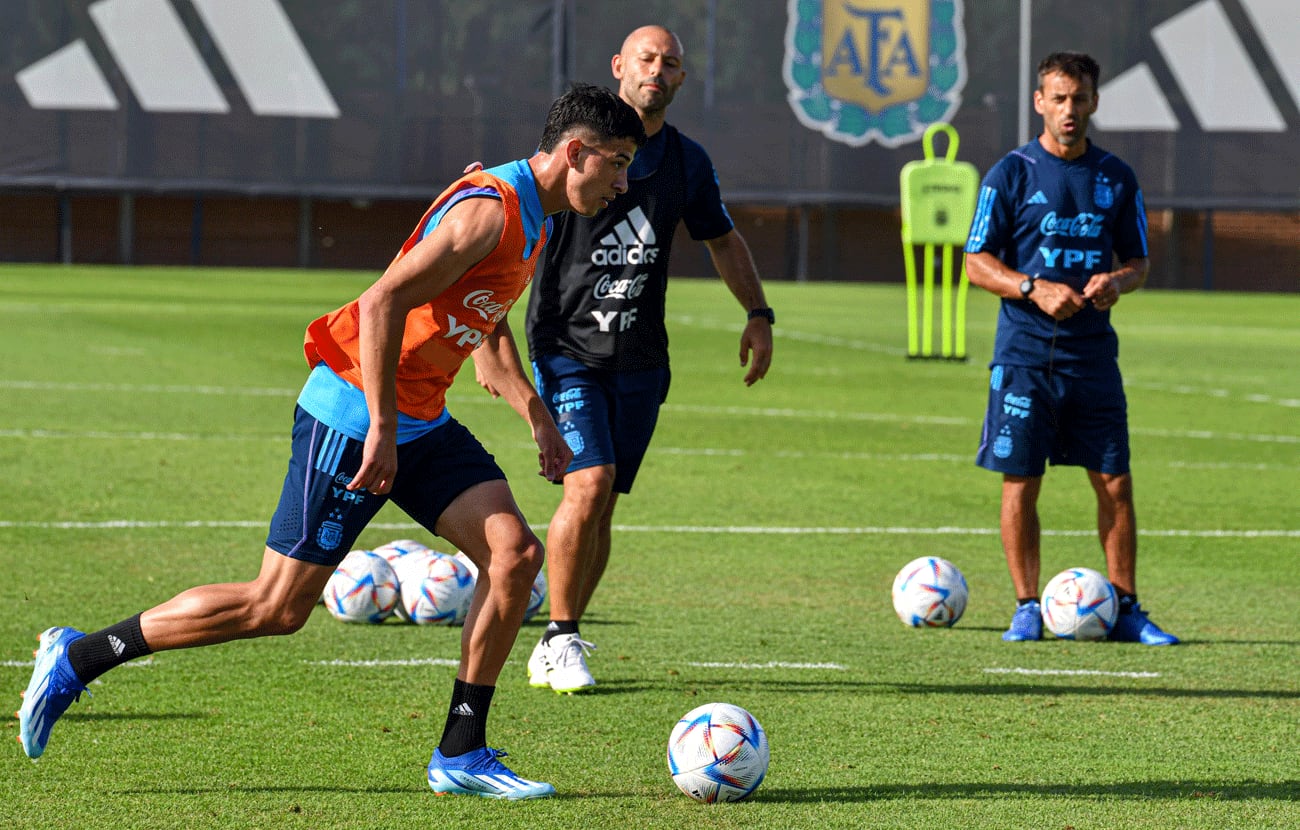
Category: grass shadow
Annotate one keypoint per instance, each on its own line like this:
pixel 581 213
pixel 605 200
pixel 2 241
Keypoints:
pixel 975 689
pixel 1208 790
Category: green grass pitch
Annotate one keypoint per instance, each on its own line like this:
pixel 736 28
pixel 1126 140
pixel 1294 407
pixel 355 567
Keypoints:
pixel 144 417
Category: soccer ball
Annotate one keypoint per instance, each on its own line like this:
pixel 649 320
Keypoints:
pixel 717 752
pixel 398 548
pixel 363 588
pixel 436 589
pixel 1080 604
pixel 535 597
pixel 930 592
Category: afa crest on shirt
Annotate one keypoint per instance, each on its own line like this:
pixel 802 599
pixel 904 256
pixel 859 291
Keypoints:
pixel 1103 196
pixel 874 70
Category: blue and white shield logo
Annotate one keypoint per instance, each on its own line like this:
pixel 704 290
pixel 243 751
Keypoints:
pixel 1103 195
pixel 874 70
pixel 1003 446
pixel 574 439
pixel 329 535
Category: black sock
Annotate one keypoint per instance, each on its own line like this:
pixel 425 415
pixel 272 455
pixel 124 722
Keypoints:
pixel 1025 601
pixel 466 727
pixel 1127 602
pixel 556 627
pixel 107 648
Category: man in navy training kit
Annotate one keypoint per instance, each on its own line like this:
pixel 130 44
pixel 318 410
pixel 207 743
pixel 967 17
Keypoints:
pixel 598 342
pixel 371 424
pixel 1050 215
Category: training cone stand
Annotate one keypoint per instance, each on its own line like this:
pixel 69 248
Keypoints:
pixel 938 204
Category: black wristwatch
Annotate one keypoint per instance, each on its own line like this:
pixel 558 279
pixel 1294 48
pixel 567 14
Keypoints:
pixel 766 313
pixel 1027 287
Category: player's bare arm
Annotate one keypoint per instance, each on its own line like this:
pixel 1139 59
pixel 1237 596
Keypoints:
pixel 467 233
pixel 735 265
pixel 1104 290
pixel 501 372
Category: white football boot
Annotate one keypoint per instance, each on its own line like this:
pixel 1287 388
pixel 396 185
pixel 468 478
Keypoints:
pixel 539 667
pixel 567 656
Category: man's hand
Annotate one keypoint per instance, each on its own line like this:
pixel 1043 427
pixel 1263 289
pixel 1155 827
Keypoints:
pixel 553 453
pixel 756 340
pixel 1102 290
pixel 1057 299
pixel 378 463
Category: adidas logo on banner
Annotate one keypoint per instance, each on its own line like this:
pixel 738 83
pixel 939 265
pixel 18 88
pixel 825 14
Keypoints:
pixel 627 245
pixel 1218 79
pixel 1037 199
pixel 165 71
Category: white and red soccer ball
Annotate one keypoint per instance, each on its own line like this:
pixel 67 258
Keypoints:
pixel 718 752
pixel 436 589
pixel 1080 604
pixel 930 592
pixel 362 589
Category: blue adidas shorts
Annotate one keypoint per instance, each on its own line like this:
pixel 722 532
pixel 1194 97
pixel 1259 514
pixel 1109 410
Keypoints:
pixel 318 519
pixel 606 417
pixel 1034 417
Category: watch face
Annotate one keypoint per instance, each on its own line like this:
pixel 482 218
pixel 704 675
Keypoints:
pixel 1026 288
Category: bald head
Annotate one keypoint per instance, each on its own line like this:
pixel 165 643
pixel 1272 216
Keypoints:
pixel 653 31
pixel 649 71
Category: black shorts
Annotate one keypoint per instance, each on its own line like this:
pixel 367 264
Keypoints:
pixel 606 416
pixel 318 518
pixel 1035 416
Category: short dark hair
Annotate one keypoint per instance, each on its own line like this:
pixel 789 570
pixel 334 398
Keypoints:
pixel 1077 65
pixel 595 109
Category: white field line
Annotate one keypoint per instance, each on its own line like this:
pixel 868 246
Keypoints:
pixel 96 435
pixel 829 415
pixel 706 452
pixel 1221 394
pixel 1073 672
pixel 134 388
pixel 820 414
pixel 879 348
pixel 367 664
pixel 444 661
pixel 124 435
pixel 772 664
pixel 789 334
pixel 756 412
pixel 752 530
pixel 937 457
pixel 724 452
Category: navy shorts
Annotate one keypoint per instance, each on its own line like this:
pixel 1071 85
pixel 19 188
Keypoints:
pixel 607 417
pixel 318 519
pixel 1035 416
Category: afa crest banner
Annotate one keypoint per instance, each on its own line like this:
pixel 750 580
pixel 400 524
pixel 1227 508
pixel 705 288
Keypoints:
pixel 874 70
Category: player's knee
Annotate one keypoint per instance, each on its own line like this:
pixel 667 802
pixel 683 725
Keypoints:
pixel 589 489
pixel 272 619
pixel 1116 489
pixel 517 563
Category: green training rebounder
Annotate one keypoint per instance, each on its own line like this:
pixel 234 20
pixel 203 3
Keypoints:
pixel 938 204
